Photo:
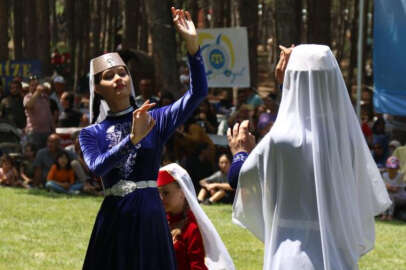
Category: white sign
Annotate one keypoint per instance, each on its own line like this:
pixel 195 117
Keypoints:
pixel 225 53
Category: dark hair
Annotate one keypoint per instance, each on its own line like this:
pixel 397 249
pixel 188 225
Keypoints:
pixel 17 82
pixel 32 146
pixel 5 158
pixel 70 97
pixel 60 154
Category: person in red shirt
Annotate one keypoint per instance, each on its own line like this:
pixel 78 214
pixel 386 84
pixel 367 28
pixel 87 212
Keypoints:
pixel 196 242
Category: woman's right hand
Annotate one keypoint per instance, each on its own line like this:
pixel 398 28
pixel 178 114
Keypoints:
pixel 240 139
pixel 142 122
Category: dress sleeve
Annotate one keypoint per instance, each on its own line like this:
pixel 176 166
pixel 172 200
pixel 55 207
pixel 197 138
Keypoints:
pixel 101 163
pixel 172 116
pixel 234 172
pixel 194 248
pixel 51 174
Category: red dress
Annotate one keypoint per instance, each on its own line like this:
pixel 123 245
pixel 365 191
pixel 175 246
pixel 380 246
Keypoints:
pixel 188 243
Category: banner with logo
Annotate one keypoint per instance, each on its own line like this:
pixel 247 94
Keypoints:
pixel 225 53
pixel 390 57
pixel 11 69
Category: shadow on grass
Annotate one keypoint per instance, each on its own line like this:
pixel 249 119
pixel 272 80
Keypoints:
pixel 53 195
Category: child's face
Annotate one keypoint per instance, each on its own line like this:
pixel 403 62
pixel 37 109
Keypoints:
pixel 224 164
pixel 28 152
pixel 63 161
pixel 392 170
pixel 172 198
pixel 6 165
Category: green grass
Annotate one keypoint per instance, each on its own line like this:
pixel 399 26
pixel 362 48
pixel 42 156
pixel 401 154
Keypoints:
pixel 41 230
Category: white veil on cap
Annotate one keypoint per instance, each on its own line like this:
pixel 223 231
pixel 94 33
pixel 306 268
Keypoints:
pixel 310 189
pixel 98 65
pixel 217 257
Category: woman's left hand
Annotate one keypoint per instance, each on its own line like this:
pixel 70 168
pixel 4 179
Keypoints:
pixel 186 28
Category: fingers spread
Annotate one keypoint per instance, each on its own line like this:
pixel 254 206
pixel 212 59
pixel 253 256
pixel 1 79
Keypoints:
pixel 244 126
pixel 235 129
pixel 229 135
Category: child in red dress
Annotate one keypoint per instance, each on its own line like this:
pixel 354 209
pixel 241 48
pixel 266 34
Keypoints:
pixel 196 242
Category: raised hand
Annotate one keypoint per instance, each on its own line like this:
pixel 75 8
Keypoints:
pixel 240 139
pixel 186 28
pixel 142 122
pixel 283 63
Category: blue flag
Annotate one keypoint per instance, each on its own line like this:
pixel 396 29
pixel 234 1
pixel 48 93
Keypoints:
pixel 390 57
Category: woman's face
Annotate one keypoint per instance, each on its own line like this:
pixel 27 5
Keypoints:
pixel 224 163
pixel 172 198
pixel 114 84
pixel 63 161
pixel 6 165
pixel 28 153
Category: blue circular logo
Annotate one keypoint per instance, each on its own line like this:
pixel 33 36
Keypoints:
pixel 217 59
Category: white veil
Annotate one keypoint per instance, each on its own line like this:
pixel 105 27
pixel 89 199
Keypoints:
pixel 115 60
pixel 310 189
pixel 217 257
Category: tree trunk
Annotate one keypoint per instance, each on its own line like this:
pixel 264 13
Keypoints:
pixel 54 23
pixel 69 10
pixel 354 45
pixel 132 19
pixel 288 21
pixel 319 21
pixel 164 46
pixel 144 31
pixel 43 36
pixel 218 13
pixel 96 28
pixel 84 7
pixel 248 11
pixel 18 29
pixel 30 30
pixel 4 16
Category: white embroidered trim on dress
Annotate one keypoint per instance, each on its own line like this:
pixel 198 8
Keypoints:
pixel 124 187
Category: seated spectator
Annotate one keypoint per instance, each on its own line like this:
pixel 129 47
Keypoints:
pixel 69 117
pixel 379 135
pixel 392 146
pixel 167 98
pixel 366 130
pixel 198 164
pixel 27 164
pixel 206 117
pixel 61 177
pixel 395 186
pixel 12 108
pixel 146 93
pixel 216 185
pixel 252 98
pixel 45 158
pixel 9 174
pixel 379 156
pixel 400 153
pixel 196 242
pixel 91 183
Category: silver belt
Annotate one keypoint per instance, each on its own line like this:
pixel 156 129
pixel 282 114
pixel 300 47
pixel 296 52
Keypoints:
pixel 124 187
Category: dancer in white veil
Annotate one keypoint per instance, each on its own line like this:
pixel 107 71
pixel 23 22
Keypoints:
pixel 310 189
pixel 214 254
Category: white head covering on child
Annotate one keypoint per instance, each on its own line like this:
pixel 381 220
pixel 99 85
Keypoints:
pixel 217 257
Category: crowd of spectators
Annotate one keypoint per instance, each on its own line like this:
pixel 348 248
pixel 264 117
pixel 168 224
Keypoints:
pixel 36 115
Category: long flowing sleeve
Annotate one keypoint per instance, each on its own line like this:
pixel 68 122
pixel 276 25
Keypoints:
pixel 172 116
pixel 101 163
pixel 234 172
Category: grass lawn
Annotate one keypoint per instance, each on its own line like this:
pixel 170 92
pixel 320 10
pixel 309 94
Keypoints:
pixel 41 230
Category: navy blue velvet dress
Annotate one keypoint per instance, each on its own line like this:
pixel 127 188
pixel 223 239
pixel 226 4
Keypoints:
pixel 131 232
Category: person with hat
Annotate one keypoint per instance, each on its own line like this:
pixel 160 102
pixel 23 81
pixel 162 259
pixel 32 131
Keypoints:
pixel 197 244
pixel 123 146
pixel 395 186
pixel 310 188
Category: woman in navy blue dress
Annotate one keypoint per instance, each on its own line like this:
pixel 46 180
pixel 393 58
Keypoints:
pixel 124 147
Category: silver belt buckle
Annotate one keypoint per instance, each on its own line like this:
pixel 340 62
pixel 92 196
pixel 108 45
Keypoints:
pixel 124 187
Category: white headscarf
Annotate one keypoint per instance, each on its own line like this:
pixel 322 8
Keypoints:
pixel 217 257
pixel 97 65
pixel 310 189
